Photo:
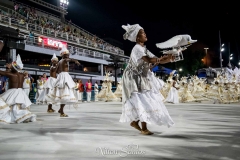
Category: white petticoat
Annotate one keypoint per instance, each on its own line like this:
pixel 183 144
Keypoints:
pixel 63 92
pixel 146 107
pixel 47 87
pixel 14 106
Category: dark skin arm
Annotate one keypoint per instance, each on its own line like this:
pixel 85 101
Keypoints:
pixel 32 79
pixel 4 73
pixel 162 60
pixel 72 60
pixel 174 83
pixel 30 85
pixel 15 79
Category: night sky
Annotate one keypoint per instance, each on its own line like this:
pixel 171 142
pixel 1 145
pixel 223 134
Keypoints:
pixel 201 20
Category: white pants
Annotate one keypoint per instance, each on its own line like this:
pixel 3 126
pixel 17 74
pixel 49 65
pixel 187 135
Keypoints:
pixel 80 96
pixel 27 91
pixel 77 94
pixel 39 91
pixel 96 93
pixel 89 96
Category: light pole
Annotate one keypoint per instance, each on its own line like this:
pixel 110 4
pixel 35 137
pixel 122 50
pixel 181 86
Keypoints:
pixel 206 55
pixel 64 5
pixel 221 49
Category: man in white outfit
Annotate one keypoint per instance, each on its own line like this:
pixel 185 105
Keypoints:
pixel 27 85
pixel 96 91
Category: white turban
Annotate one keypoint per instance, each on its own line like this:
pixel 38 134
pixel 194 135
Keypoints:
pixel 131 32
pixel 54 57
pixel 64 51
pixel 17 64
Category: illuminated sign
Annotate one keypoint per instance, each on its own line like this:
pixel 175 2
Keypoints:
pixel 51 42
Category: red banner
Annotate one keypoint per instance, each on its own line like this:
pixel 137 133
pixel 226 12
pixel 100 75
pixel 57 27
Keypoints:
pixel 51 42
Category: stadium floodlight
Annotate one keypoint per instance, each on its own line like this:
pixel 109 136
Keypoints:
pixel 64 4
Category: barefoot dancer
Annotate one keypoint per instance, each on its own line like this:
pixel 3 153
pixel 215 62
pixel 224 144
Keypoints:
pixel 140 102
pixel 14 103
pixel 64 87
pixel 49 85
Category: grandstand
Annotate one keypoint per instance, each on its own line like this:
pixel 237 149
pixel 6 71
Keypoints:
pixel 46 33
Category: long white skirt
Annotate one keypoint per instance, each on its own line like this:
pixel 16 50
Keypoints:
pixel 156 83
pixel 47 87
pixel 146 107
pixel 14 106
pixel 172 96
pixel 63 92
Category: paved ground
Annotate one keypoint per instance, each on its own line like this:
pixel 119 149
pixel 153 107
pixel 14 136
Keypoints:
pixel 201 131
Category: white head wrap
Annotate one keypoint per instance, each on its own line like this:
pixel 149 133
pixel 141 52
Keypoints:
pixel 131 32
pixel 64 51
pixel 54 57
pixel 17 64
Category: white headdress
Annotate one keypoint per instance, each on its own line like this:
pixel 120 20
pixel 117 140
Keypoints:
pixel 64 51
pixel 17 64
pixel 131 32
pixel 54 57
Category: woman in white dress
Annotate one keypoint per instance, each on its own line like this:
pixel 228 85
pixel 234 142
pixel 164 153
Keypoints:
pixel 118 92
pixel 173 93
pixel 39 87
pixel 103 93
pixel 140 102
pixel 110 95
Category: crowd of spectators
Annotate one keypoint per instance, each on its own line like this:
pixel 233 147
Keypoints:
pixel 52 27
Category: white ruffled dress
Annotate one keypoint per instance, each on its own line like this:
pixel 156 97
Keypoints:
pixel 140 99
pixel 48 87
pixel 173 95
pixel 14 106
pixel 64 90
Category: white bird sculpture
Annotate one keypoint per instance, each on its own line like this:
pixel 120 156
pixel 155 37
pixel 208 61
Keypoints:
pixel 176 41
pixel 178 44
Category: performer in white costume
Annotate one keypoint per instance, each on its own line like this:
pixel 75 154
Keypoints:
pixel 173 93
pixel 96 91
pixel 103 93
pixel 140 102
pixel 110 96
pixel 76 89
pixel 39 87
pixel 27 85
pixel 44 97
pixel 118 92
pixel 64 87
pixel 14 103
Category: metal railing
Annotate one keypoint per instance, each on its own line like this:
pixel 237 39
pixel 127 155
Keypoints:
pixel 58 19
pixel 74 50
pixel 9 21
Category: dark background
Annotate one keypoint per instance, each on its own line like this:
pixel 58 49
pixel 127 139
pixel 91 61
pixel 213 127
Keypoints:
pixel 162 20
